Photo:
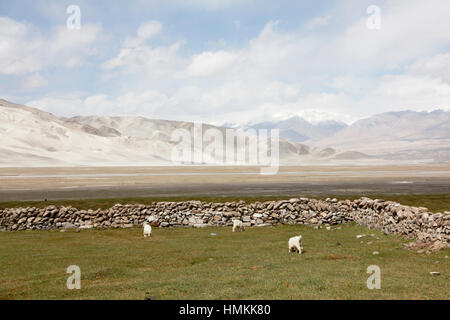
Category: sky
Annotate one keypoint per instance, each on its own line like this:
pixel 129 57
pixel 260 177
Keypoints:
pixel 226 61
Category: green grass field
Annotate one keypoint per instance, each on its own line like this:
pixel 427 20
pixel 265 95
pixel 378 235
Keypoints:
pixel 187 263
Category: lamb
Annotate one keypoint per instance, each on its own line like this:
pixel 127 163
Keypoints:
pixel 147 229
pixel 295 244
pixel 238 224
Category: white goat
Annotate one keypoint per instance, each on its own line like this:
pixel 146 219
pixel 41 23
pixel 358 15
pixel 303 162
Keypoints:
pixel 295 244
pixel 238 224
pixel 147 229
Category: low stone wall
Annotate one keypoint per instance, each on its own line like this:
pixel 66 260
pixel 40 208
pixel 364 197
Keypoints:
pixel 387 216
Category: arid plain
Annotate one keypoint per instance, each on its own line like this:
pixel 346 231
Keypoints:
pixel 110 182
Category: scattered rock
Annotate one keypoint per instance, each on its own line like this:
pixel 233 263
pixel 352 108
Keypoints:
pixel 438 245
pixel 200 225
pixel 422 246
pixel 68 225
pixel 263 225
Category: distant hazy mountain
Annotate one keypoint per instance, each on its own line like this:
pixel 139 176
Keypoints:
pixel 297 129
pixel 31 137
pixel 396 135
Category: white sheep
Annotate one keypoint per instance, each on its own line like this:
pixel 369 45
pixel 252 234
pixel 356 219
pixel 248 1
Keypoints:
pixel 147 229
pixel 295 244
pixel 238 224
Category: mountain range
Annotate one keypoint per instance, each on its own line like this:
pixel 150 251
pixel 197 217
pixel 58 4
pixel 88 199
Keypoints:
pixel 396 135
pixel 297 129
pixel 31 137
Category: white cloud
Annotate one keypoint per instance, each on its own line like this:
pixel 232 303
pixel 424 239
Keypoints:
pixel 345 72
pixel 68 48
pixel 60 105
pixel 16 47
pixel 406 34
pixel 241 101
pixel 269 54
pixel 437 66
pixel 23 50
pixel 247 102
pixel 316 116
pixel 318 22
pixel 408 29
pixel 144 32
pixel 209 4
pixel 209 63
pixel 272 52
pixel 400 92
pixel 280 92
pixel 33 81
pixel 153 62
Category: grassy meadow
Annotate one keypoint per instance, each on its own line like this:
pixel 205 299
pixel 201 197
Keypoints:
pixel 188 263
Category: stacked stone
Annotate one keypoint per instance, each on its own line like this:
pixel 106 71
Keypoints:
pixel 393 218
pixel 388 216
